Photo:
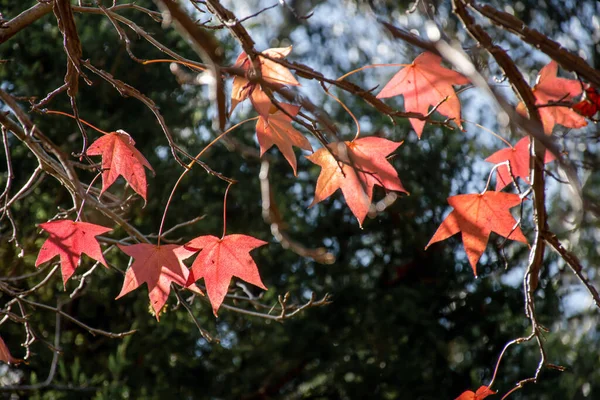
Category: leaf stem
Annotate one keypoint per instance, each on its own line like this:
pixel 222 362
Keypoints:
pixel 225 210
pixel 72 116
pixel 341 78
pixel 489 131
pixel 166 60
pixel 348 111
pixel 495 167
pixel 86 195
pixel 189 166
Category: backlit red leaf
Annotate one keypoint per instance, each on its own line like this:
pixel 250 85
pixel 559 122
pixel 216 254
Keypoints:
pixel 69 240
pixel 549 88
pixel 120 157
pixel 518 158
pixel 157 266
pixel 278 130
pixel 481 394
pixel 362 165
pixel 476 216
pixel 423 84
pixel 271 71
pixel 222 259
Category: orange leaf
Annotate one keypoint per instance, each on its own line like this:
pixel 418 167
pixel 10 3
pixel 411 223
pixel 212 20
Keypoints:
pixel 278 130
pixel 222 259
pixel 425 83
pixel 518 158
pixel 481 394
pixel 550 88
pixel 69 240
pixel 120 157
pixel 363 165
pixel 6 356
pixel 476 216
pixel 271 71
pixel 157 266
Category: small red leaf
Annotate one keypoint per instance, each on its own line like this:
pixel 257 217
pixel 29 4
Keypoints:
pixel 278 130
pixel 476 216
pixel 589 104
pixel 120 157
pixel 481 394
pixel 550 88
pixel 271 71
pixel 222 259
pixel 426 83
pixel 157 266
pixel 363 165
pixel 69 239
pixel 518 158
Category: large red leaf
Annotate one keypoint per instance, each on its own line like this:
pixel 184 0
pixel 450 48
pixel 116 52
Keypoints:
pixel 222 259
pixel 425 83
pixel 518 158
pixel 278 130
pixel 120 157
pixel 362 165
pixel 476 216
pixel 5 355
pixel 157 266
pixel 550 88
pixel 481 394
pixel 69 240
pixel 271 72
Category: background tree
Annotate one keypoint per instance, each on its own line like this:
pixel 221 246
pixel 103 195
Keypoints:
pixel 401 322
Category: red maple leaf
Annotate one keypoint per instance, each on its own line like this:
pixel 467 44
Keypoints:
pixel 550 88
pixel 278 130
pixel 589 104
pixel 481 394
pixel 271 72
pixel 5 355
pixel 157 266
pixel 120 157
pixel 518 158
pixel 476 216
pixel 426 83
pixel 222 259
pixel 362 165
pixel 69 240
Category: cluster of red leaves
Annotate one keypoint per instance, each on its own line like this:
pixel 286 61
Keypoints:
pixel 354 166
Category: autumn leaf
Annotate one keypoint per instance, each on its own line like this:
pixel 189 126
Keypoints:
pixel 69 240
pixel 476 216
pixel 120 157
pixel 6 356
pixel 157 266
pixel 589 104
pixel 518 157
pixel 423 84
pixel 481 394
pixel 362 165
pixel 550 88
pixel 271 71
pixel 277 130
pixel 222 259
